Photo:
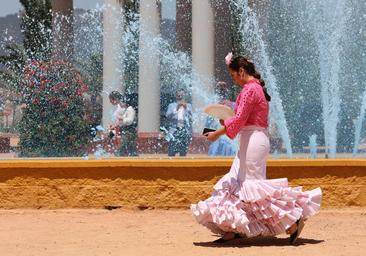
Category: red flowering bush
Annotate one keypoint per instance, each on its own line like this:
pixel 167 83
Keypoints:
pixel 53 122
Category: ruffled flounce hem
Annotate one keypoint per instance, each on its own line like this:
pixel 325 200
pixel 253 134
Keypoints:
pixel 256 207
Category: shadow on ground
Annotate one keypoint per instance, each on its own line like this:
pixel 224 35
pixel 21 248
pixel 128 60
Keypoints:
pixel 259 241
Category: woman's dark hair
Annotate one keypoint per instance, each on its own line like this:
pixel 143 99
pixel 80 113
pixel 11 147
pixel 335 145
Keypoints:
pixel 249 67
pixel 115 95
pixel 128 99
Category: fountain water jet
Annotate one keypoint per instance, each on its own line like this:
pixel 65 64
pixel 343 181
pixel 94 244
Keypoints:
pixel 257 48
pixel 328 23
pixel 359 123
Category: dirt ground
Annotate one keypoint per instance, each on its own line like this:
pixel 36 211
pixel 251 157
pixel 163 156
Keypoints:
pixel 166 232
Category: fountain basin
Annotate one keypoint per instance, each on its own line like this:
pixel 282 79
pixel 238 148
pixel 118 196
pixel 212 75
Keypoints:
pixel 160 183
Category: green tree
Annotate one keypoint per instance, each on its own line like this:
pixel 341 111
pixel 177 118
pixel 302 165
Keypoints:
pixel 131 71
pixel 36 27
pixel 53 123
pixel 13 64
pixel 92 73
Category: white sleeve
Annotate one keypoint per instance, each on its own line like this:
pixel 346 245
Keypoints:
pixel 129 116
pixel 117 117
pixel 172 110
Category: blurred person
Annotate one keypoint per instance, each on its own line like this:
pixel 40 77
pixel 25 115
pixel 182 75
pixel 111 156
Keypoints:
pixel 222 146
pixel 179 116
pixel 124 124
pixel 93 112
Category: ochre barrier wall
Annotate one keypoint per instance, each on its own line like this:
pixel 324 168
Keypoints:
pixel 167 183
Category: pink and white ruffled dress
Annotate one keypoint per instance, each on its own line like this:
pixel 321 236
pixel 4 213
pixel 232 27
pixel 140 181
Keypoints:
pixel 243 200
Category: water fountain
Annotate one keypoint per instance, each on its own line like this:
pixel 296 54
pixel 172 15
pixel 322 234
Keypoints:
pixel 313 146
pixel 256 47
pixel 332 16
pixel 359 124
pixel 309 44
pixel 313 64
pixel 88 47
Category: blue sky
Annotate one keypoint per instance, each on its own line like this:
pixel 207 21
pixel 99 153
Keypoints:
pixel 13 6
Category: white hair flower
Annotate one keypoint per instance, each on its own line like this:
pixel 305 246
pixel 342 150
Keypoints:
pixel 228 58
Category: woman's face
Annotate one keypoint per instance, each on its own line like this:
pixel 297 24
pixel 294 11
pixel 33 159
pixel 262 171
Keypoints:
pixel 238 76
pixel 113 101
pixel 180 95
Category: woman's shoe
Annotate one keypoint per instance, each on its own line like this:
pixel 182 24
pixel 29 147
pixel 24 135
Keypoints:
pixel 222 240
pixel 295 235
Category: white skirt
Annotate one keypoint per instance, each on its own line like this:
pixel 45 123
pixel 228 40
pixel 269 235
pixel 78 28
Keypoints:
pixel 245 202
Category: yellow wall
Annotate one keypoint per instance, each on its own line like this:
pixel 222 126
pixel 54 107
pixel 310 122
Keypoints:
pixel 160 183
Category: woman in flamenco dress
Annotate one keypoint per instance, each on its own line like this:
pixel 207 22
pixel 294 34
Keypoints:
pixel 244 203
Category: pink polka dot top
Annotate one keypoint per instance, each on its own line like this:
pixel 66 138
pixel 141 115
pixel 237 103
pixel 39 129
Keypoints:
pixel 251 108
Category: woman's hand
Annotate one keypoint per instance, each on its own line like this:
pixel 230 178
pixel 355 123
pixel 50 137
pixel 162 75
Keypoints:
pixel 181 104
pixel 212 136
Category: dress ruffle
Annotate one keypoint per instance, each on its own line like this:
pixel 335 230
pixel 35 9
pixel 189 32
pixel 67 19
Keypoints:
pixel 255 207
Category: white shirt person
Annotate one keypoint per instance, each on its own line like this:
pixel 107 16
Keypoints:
pixel 124 120
pixel 179 115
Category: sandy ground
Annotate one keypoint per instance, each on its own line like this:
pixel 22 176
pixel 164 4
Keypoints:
pixel 166 232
